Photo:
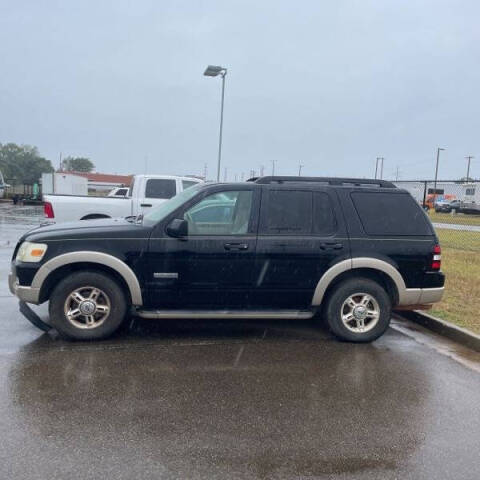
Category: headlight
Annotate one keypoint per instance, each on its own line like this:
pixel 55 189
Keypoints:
pixel 31 252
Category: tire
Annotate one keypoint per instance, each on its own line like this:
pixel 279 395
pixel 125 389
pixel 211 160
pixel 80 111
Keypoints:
pixel 75 294
pixel 374 298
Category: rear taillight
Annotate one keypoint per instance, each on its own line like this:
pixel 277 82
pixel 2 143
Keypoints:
pixel 437 258
pixel 48 210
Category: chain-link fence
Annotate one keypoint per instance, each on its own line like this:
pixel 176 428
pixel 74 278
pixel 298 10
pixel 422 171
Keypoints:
pixel 453 208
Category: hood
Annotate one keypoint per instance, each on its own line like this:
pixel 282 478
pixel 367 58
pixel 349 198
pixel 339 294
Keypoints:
pixel 98 228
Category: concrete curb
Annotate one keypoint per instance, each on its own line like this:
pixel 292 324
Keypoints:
pixel 442 327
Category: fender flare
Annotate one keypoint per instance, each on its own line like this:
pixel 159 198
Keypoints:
pixel 92 257
pixel 405 296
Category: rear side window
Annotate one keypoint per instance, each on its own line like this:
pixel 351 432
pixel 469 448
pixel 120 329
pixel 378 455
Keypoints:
pixel 160 188
pixel 323 217
pixel 287 212
pixel 390 214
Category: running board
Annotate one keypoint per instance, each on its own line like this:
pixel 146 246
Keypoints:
pixel 218 314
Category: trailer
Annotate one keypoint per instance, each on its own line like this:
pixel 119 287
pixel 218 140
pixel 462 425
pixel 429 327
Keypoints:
pixel 64 184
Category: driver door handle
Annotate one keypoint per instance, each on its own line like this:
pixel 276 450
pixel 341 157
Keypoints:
pixel 236 246
pixel 145 204
pixel 331 246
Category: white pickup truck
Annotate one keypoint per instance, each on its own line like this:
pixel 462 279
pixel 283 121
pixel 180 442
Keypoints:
pixel 146 192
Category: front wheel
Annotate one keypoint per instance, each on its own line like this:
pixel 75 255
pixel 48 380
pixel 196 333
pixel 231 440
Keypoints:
pixel 87 305
pixel 358 310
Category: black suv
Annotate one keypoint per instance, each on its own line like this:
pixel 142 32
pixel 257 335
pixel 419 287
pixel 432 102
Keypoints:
pixel 349 250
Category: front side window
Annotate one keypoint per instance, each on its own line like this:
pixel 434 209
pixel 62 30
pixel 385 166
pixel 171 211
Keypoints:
pixel 226 213
pixel 161 211
pixel 160 188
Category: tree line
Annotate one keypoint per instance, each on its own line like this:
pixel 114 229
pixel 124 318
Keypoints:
pixel 24 164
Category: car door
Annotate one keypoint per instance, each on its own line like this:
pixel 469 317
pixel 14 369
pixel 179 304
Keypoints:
pixel 212 267
pixel 301 234
pixel 157 190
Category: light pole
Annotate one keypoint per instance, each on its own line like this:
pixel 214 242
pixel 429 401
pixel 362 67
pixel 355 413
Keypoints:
pixel 273 167
pixel 381 167
pixel 436 176
pixel 300 166
pixel 468 165
pixel 214 71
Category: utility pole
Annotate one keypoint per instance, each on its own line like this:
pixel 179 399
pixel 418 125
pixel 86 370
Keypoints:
pixel 376 167
pixel 60 166
pixel 436 177
pixel 397 174
pixel 225 175
pixel 273 167
pixel 381 169
pixel 205 172
pixel 300 170
pixel 469 158
pixel 242 177
pixel 262 168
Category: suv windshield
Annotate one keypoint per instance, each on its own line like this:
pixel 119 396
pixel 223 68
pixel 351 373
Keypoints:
pixel 166 208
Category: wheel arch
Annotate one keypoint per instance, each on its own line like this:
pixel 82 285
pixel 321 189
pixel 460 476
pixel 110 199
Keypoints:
pixel 379 270
pixel 56 268
pixel 95 216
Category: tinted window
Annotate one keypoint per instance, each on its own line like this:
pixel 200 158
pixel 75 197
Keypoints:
pixel 323 217
pixel 390 214
pixel 226 213
pixel 212 213
pixel 160 188
pixel 287 212
pixel 470 191
pixel 188 183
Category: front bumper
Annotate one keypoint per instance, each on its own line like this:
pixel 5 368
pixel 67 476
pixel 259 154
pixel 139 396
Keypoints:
pixel 26 294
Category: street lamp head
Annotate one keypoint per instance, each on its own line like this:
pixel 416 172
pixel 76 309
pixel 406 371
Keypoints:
pixel 214 71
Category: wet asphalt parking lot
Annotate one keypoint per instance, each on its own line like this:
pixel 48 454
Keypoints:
pixel 230 399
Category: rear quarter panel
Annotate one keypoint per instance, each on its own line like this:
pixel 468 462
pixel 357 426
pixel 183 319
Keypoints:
pixel 411 255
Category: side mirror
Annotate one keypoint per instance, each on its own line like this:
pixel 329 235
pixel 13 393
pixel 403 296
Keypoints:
pixel 177 228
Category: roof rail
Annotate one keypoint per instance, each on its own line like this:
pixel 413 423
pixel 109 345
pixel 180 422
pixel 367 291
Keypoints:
pixel 329 180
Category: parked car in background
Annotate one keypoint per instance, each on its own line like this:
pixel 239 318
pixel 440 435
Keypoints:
pixel 446 206
pixel 348 250
pixel 147 191
pixel 119 192
pixel 433 200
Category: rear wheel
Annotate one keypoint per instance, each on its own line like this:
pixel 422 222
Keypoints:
pixel 358 310
pixel 87 306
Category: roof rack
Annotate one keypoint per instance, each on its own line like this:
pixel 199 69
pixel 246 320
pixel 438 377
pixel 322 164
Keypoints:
pixel 328 180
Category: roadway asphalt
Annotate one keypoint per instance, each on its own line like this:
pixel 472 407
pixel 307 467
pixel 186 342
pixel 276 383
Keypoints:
pixel 232 400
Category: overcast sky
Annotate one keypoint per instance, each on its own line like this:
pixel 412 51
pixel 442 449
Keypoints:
pixel 327 84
